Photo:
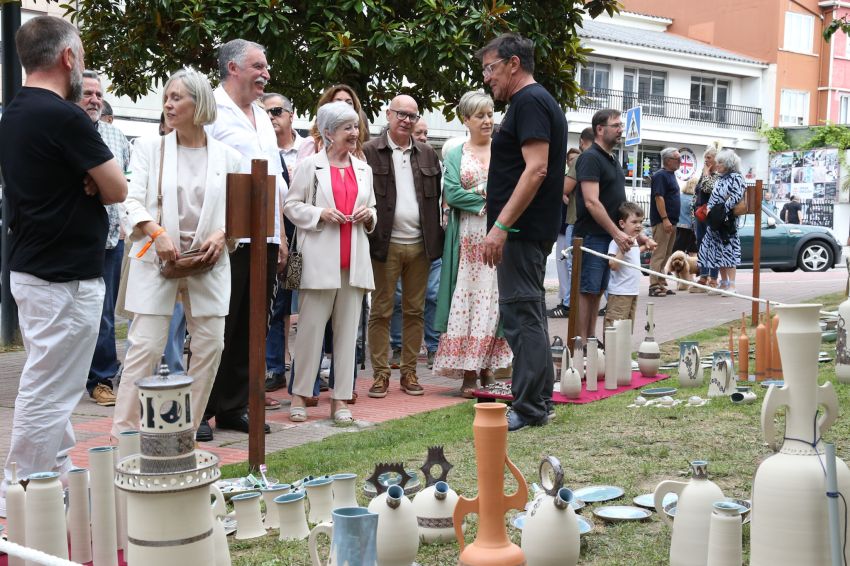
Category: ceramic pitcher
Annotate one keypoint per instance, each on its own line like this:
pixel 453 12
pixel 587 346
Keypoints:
pixel 353 535
pixel 722 375
pixel 690 370
pixel 398 531
pixel 793 478
pixel 649 353
pixel 689 543
pixel 434 506
pixel 550 536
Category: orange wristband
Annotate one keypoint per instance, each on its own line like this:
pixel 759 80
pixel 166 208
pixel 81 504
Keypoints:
pixel 148 245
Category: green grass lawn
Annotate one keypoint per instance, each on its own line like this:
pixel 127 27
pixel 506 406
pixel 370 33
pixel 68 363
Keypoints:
pixel 605 442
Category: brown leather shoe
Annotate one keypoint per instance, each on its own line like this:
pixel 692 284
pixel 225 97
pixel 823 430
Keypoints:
pixel 379 386
pixel 410 384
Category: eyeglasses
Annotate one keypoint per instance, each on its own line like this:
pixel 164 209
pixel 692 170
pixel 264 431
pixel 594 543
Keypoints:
pixel 488 68
pixel 618 126
pixel 402 115
pixel 278 110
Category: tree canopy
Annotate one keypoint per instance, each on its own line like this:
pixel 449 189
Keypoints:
pixel 424 48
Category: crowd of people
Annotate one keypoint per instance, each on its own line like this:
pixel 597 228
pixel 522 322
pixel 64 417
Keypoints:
pixel 458 247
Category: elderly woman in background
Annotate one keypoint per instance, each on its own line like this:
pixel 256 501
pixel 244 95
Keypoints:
pixel 332 204
pixel 336 93
pixel 186 172
pixel 721 249
pixel 702 192
pixel 468 299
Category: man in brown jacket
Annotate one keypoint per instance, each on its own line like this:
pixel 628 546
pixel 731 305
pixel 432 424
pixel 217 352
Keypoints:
pixel 407 238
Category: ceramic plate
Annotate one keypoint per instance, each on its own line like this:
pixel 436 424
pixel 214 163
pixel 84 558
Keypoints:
pixel 647 500
pixel 658 391
pixel 670 508
pixel 234 486
pixel 584 526
pixel 768 382
pixel 229 524
pixel 596 493
pixel 615 513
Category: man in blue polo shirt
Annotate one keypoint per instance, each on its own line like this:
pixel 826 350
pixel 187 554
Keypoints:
pixel 663 217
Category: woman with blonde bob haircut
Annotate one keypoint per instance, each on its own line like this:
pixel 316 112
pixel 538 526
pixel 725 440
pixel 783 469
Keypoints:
pixel 176 204
pixel 335 93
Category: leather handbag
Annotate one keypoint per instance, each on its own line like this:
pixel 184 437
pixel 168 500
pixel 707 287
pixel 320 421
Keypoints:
pixel 295 264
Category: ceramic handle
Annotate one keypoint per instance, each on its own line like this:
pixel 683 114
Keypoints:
pixel 218 506
pixel 463 507
pixel 829 401
pixel 776 397
pixel 662 489
pixel 321 528
pixel 519 498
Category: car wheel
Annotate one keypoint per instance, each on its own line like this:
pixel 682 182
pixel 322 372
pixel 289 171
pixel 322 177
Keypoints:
pixel 815 256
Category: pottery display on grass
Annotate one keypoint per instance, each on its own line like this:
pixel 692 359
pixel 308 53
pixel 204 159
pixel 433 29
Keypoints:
pixel 696 498
pixel 398 530
pixel 492 547
pixel 550 536
pixel 79 515
pixel 592 365
pixel 611 359
pixel 624 352
pixel 722 381
pixel 16 514
pixel 649 352
pixel 793 478
pixel 690 371
pixel 344 490
pixel 320 498
pixel 292 516
pixel 45 515
pixel 104 529
pixel 570 379
pixel 353 535
pixel 842 343
pixel 724 535
pixel 434 506
pixel 270 521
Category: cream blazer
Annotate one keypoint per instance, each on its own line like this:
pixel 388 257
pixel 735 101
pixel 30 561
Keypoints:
pixel 148 292
pixel 318 241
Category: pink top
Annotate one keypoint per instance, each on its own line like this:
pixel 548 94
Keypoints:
pixel 345 193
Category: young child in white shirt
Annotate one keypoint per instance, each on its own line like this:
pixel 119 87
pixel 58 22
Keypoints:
pixel 624 282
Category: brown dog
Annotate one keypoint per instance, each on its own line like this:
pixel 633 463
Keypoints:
pixel 683 266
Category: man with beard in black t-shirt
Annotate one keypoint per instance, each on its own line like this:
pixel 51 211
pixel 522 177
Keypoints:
pixel 58 175
pixel 524 191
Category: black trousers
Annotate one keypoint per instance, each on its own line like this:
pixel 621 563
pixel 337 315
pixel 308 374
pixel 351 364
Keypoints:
pixel 229 397
pixel 522 308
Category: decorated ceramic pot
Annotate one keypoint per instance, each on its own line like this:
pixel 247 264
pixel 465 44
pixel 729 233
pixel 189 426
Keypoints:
pixel 434 506
pixel 649 352
pixel 690 370
pixel 723 381
pixel 550 536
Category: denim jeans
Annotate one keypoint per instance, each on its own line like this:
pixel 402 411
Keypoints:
pixel 104 363
pixel 432 338
pixel 176 340
pixel 281 307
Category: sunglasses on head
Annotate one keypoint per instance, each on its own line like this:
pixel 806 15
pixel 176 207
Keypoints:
pixel 277 111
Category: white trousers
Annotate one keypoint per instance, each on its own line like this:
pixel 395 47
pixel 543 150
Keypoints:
pixel 59 324
pixel 315 307
pixel 146 342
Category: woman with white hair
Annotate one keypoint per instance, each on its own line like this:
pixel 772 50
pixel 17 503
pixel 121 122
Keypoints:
pixel 176 207
pixel 467 311
pixel 332 204
pixel 721 248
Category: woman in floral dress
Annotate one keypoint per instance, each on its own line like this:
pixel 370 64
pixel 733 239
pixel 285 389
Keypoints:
pixel 467 314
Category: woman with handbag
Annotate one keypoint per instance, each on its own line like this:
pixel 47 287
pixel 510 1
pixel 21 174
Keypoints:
pixel 176 206
pixel 332 204
pixel 721 245
pixel 702 192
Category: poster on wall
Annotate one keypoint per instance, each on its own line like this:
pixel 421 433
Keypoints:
pixel 807 174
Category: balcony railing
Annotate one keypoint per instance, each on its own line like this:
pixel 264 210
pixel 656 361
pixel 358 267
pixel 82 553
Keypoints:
pixel 671 109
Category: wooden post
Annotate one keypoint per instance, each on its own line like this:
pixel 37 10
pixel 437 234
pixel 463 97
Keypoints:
pixel 258 307
pixel 575 279
pixel 756 201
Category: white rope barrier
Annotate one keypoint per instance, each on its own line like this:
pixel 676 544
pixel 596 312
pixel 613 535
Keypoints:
pixel 32 555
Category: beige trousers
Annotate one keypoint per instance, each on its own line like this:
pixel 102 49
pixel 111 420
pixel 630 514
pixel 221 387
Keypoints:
pixel 661 253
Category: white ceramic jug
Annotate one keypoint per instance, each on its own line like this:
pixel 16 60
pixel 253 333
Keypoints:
pixel 689 544
pixel 550 536
pixel 723 381
pixel 398 532
pixel 434 507
pixel 649 353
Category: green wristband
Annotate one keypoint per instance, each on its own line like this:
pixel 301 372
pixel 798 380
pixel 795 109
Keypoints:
pixel 501 226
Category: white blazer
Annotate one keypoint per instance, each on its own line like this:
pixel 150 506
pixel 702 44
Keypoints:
pixel 148 292
pixel 318 241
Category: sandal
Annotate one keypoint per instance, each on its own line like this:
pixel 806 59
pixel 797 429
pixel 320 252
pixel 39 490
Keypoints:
pixel 486 377
pixel 297 414
pixel 657 291
pixel 272 404
pixel 343 416
pixel 669 292
pixel 468 387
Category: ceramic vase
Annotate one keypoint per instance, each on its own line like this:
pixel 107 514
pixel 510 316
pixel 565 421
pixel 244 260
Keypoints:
pixel 129 443
pixel 398 531
pixel 610 358
pixel 842 343
pixel 592 374
pixel 104 533
pixel 434 506
pixel 761 351
pixel 690 370
pixel 45 515
pixel 724 535
pixel 320 496
pixel 550 536
pixel 79 516
pixel 578 356
pixel 793 478
pixel 353 535
pixel 16 514
pixel 722 381
pixel 344 490
pixel 292 517
pixel 689 543
pixel 624 352
pixel 218 510
pixel 492 547
pixel 743 351
pixel 270 521
pixel 249 523
pixel 570 379
pixel 649 353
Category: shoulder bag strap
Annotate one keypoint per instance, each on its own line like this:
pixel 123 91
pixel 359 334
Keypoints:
pixel 159 182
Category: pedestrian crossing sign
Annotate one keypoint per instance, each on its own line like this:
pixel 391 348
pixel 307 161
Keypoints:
pixel 632 125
